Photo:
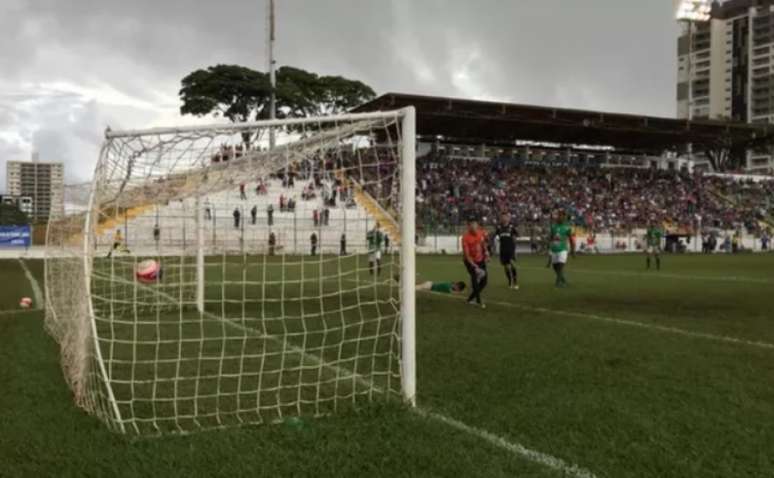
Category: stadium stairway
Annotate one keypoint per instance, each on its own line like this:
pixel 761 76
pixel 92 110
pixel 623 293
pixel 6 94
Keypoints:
pixel 108 224
pixel 386 221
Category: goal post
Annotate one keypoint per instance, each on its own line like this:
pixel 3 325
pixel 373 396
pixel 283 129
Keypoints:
pixel 408 244
pixel 199 212
pixel 214 280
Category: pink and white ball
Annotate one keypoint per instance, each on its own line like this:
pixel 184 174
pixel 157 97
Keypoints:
pixel 25 303
pixel 148 272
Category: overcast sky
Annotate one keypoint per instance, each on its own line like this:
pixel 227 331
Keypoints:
pixel 70 68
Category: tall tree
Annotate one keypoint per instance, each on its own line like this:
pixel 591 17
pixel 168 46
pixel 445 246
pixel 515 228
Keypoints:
pixel 343 94
pixel 242 94
pixel 235 92
pixel 725 155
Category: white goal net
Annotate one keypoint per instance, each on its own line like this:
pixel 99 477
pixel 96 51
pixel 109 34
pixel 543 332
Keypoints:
pixel 212 280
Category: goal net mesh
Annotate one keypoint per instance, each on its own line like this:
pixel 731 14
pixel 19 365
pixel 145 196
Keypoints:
pixel 277 290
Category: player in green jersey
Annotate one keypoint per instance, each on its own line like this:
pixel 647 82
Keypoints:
pixel 375 239
pixel 653 236
pixel 442 287
pixel 561 242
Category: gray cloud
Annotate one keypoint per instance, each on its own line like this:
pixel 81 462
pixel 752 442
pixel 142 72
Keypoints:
pixel 73 67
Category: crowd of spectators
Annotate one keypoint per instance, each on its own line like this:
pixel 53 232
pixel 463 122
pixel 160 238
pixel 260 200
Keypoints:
pixel 600 199
pixel 450 191
pixel 755 196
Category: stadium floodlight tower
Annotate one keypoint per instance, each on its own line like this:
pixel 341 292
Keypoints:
pixel 694 10
pixel 182 300
pixel 690 12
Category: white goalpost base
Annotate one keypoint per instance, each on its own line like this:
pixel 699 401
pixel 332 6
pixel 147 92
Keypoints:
pixel 270 300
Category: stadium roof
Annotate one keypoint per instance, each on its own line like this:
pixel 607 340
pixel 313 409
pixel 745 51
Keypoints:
pixel 484 122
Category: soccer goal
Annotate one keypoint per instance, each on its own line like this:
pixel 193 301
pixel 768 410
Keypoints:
pixel 239 274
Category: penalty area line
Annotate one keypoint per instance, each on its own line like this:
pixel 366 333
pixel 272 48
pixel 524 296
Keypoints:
pixel 557 464
pixel 37 294
pixel 664 275
pixel 613 320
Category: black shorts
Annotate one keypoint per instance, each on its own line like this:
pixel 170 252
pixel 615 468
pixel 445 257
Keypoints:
pixel 507 259
pixel 471 270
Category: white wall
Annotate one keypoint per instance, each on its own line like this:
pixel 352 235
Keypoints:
pixel 605 243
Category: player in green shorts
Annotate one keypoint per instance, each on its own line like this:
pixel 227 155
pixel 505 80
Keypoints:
pixel 561 242
pixel 442 287
pixel 653 236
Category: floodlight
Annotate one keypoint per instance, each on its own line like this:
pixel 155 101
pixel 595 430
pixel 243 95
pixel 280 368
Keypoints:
pixel 694 10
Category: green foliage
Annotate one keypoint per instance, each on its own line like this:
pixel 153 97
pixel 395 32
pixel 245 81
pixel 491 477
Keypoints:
pixel 242 94
pixel 11 215
pixel 235 92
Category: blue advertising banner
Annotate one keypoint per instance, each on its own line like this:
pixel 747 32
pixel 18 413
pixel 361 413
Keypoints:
pixel 15 236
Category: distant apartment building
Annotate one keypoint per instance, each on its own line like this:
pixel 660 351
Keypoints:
pixel 40 182
pixel 726 68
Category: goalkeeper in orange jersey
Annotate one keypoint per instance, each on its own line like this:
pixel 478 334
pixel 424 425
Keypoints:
pixel 475 256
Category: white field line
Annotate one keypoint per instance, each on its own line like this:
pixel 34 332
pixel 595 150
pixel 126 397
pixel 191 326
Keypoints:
pixel 613 320
pixel 556 464
pixel 517 449
pixel 544 459
pixel 37 294
pixel 663 275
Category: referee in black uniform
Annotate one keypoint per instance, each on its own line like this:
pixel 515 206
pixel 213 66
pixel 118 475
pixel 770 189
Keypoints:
pixel 506 234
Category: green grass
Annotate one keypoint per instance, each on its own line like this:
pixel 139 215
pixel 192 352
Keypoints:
pixel 13 283
pixel 281 336
pixel 613 398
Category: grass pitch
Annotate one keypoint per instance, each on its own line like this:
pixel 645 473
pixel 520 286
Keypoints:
pixel 280 336
pixel 626 373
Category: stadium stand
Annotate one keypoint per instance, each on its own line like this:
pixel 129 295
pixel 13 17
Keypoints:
pixel 451 190
pixel 291 210
pixel 599 199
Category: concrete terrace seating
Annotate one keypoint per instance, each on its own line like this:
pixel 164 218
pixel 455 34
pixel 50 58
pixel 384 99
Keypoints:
pixel 177 225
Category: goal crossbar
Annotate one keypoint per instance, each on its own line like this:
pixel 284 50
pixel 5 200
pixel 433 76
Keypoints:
pixel 248 125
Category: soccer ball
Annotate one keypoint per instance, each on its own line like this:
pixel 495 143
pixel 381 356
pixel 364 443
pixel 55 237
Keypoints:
pixel 25 303
pixel 148 272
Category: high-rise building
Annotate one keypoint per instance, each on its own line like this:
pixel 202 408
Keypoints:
pixel 41 181
pixel 726 68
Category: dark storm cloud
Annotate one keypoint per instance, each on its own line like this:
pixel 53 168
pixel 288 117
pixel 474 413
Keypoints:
pixel 72 67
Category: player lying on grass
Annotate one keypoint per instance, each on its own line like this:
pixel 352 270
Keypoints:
pixel 475 255
pixel 653 237
pixel 561 242
pixel 442 287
